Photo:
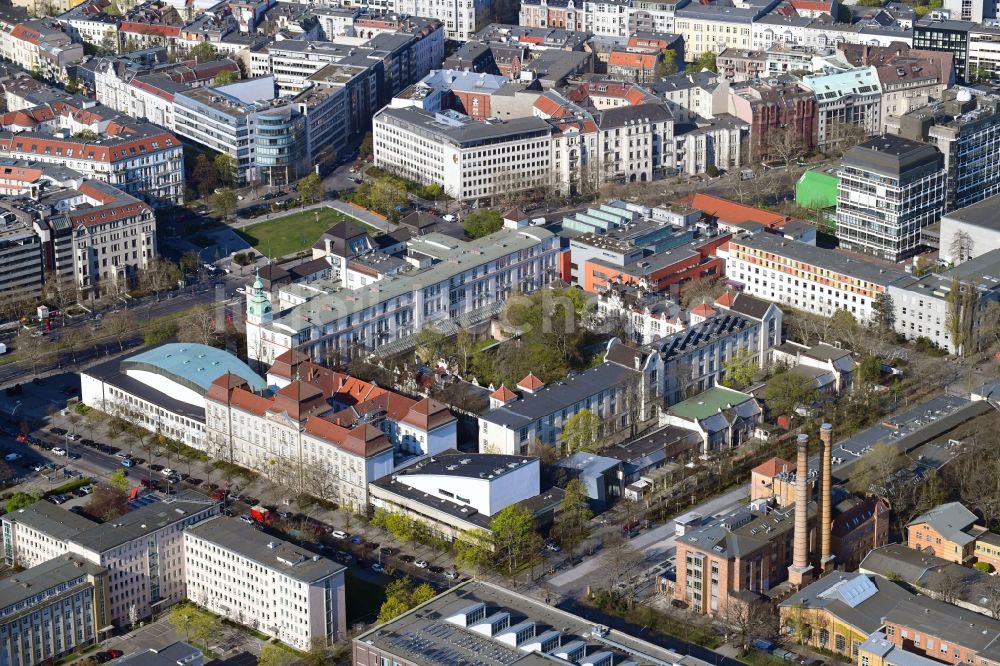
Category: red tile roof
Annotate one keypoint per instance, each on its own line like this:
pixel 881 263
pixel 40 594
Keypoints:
pixel 504 394
pixel 732 212
pixel 632 60
pixel 773 467
pixel 531 382
pixel 726 300
pixel 703 310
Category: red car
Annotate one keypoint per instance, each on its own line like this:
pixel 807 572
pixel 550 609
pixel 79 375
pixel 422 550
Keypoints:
pixel 219 494
pixel 22 438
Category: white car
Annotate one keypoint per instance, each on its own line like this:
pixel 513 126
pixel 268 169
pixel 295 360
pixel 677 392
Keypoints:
pixel 448 218
pixel 338 534
pixel 451 574
pixel 420 564
pixel 73 437
pixel 166 471
pixel 58 451
pixel 241 290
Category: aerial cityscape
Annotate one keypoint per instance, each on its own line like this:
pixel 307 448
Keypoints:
pixel 500 332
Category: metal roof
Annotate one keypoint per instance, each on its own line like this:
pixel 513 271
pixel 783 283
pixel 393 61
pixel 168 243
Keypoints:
pixel 193 363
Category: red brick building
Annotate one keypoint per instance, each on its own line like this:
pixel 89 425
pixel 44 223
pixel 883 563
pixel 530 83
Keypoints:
pixel 781 115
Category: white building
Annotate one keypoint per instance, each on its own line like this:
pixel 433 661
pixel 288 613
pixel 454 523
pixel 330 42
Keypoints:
pixel 970 232
pixel 265 583
pixel 645 316
pixel 845 101
pixel 889 189
pixel 459 492
pixel 163 389
pixel 806 277
pixel 450 279
pixel 143 550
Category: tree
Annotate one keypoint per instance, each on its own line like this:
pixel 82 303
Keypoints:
pixel 962 304
pixel 572 521
pixel 73 86
pixel 190 261
pixel 949 582
pixel 386 195
pixel 224 77
pixel 85 134
pixel 740 369
pixel 310 188
pixel 107 503
pixel 159 275
pixel 515 542
pixel 989 587
pixel 883 314
pixel 201 326
pixel 620 564
pixel 367 146
pixel 875 472
pixel 702 290
pixel 667 64
pixel 205 175
pixel 274 655
pixel 430 344
pixel 119 481
pixel 787 390
pixel 400 596
pixel 870 369
pixel 750 619
pixel 580 431
pixel 226 168
pixel 204 52
pixel 705 61
pixel 119 324
pixel 482 222
pixel 224 202
pixel 19 500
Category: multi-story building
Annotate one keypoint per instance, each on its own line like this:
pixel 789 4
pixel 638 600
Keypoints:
pixel 40 46
pixel 847 103
pixel 948 531
pixel 745 551
pixel 142 550
pixel 736 65
pixel 52 610
pixel 806 277
pixel 455 279
pixel 265 135
pixel 566 14
pixel 693 360
pixel 782 116
pixel 114 237
pixel 970 10
pixel 270 585
pixel 965 126
pixel 470 159
pixel 777 28
pixel 952 36
pixel 984 52
pixel 21 267
pixel 937 630
pixel 969 232
pixel 537 413
pixel 716 25
pixel 651 16
pixel 322 430
pixel 139 159
pixel 890 188
pixel 337 103
pixel 921 306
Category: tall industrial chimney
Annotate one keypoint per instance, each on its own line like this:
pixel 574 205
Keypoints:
pixel 825 496
pixel 800 572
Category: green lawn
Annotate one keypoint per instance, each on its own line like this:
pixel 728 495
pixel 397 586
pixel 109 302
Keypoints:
pixel 292 233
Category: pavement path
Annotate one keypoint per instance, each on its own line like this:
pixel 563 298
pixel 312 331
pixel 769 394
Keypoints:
pixel 656 544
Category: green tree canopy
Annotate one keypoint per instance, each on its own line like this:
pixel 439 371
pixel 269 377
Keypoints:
pixel 870 369
pixel 705 61
pixel 226 166
pixel 515 542
pixel 482 222
pixel 667 64
pixel 580 431
pixel 224 77
pixel 224 202
pixel 787 390
pixel 572 521
pixel 204 52
pixel 310 188
pixel 19 500
pixel 740 369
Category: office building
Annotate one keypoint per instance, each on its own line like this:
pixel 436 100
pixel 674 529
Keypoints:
pixel 21 267
pixel 969 232
pixel 890 188
pixel 258 580
pixel 326 324
pixel 52 610
pixel 964 125
pixel 142 550
pixel 264 135
pixel 936 34
pixel 807 278
pixel 478 618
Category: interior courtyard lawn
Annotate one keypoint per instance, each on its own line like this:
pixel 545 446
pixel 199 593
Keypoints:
pixel 291 233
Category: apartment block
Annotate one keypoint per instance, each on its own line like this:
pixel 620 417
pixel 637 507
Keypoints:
pixel 52 610
pixel 847 102
pixel 260 581
pixel 21 266
pixel 890 188
pixel 806 277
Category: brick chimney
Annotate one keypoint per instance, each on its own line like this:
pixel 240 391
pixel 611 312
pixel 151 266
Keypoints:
pixel 825 496
pixel 800 572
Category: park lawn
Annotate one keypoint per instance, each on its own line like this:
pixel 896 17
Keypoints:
pixel 290 233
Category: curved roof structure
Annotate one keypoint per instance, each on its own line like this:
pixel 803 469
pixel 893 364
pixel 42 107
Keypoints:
pixel 193 365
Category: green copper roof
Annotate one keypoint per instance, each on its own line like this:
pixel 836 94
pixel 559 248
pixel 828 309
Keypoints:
pixel 192 365
pixel 708 402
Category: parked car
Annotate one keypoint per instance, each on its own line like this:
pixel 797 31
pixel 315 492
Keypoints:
pixel 219 494
pixel 451 574
pixel 11 457
pixel 420 564
pixel 343 556
pixel 128 462
pixel 356 540
pixel 166 471
pixel 407 558
pixel 59 451
pixel 552 546
pixel 378 568
pixel 246 518
pixel 58 431
pixel 339 534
